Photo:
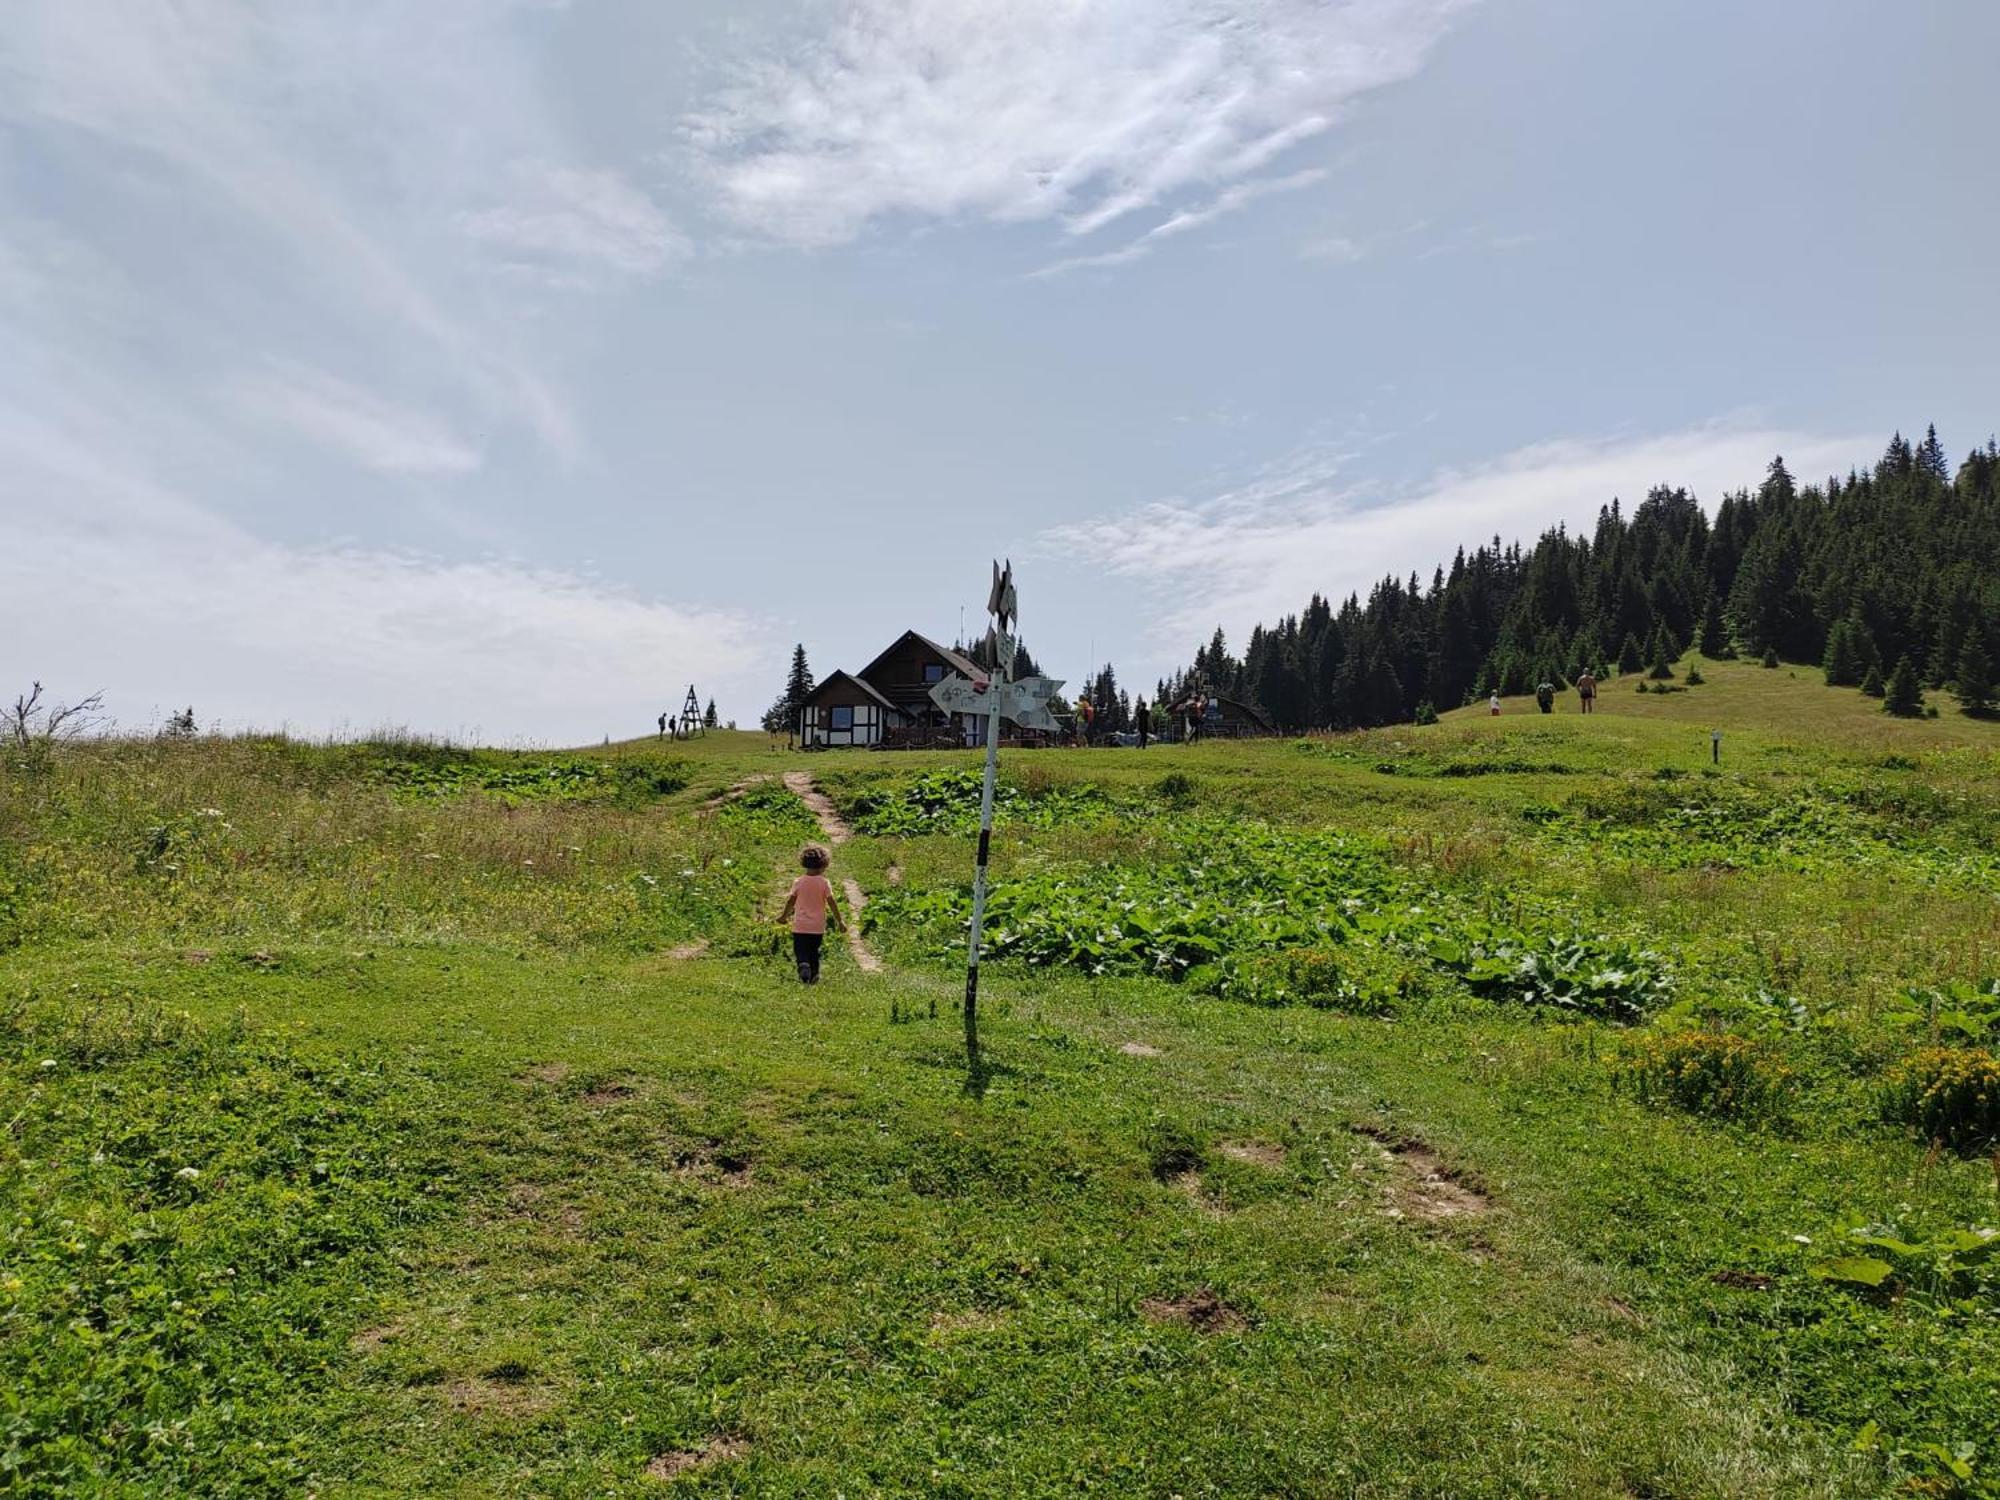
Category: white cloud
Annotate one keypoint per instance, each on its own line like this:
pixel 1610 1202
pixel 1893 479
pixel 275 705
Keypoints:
pixel 1337 248
pixel 130 587
pixel 1225 202
pixel 1077 110
pixel 374 433
pixel 324 135
pixel 574 217
pixel 1260 551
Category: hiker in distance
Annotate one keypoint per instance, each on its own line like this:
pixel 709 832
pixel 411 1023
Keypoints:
pixel 1493 705
pixel 809 910
pixel 1141 720
pixel 1586 689
pixel 663 726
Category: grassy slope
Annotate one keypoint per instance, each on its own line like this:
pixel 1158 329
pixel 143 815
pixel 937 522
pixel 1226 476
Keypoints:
pixel 686 1208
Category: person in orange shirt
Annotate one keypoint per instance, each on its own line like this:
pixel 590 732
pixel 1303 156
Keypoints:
pixel 810 909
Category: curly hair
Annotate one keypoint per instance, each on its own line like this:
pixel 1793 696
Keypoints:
pixel 815 856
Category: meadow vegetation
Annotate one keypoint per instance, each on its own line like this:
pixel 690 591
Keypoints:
pixel 1496 1106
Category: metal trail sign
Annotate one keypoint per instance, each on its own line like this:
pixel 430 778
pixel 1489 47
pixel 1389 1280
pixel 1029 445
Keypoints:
pixel 997 697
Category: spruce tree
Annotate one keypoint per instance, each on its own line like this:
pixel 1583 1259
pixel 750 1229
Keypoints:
pixel 1905 697
pixel 1974 689
pixel 1714 640
pixel 1871 681
pixel 709 720
pixel 1842 664
pixel 1629 658
pixel 1663 655
pixel 799 681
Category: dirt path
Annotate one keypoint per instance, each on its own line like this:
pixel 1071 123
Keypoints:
pixel 836 831
pixel 801 785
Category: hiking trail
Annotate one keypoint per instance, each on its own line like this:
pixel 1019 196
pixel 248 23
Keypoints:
pixel 801 785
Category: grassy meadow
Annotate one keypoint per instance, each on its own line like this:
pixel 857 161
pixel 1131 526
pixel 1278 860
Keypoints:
pixel 1504 1106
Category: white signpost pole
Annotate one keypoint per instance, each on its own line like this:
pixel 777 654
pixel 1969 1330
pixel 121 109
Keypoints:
pixel 1001 605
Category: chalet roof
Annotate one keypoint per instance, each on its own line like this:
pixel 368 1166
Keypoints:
pixel 861 682
pixel 957 661
pixel 1248 711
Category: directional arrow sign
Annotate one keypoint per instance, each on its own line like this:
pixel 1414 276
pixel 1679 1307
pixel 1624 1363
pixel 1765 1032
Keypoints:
pixel 1025 702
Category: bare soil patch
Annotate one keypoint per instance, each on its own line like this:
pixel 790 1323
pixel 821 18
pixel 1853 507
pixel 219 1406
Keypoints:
pixel 1203 1311
pixel 1138 1049
pixel 694 949
pixel 368 1340
pixel 716 1164
pixel 548 1072
pixel 894 875
pixel 1744 1281
pixel 1426 1188
pixel 1256 1153
pixel 732 794
pixel 482 1396
pixel 946 1325
pixel 607 1094
pixel 681 1460
pixel 834 827
pixel 863 956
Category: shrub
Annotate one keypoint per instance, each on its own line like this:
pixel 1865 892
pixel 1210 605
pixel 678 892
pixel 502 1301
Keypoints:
pixel 1427 712
pixel 1770 657
pixel 1951 1094
pixel 1713 1073
pixel 1175 789
pixel 1694 677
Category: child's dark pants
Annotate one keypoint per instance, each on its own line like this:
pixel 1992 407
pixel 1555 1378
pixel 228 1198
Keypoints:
pixel 805 952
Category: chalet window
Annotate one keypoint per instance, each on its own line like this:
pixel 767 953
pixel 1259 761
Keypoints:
pixel 933 672
pixel 843 717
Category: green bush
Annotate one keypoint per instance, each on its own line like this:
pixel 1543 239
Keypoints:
pixel 1951 1094
pixel 1712 1073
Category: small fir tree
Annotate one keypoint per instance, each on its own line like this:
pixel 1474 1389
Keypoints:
pixel 1842 664
pixel 1974 689
pixel 1770 657
pixel 1905 696
pixel 1714 638
pixel 1629 657
pixel 709 719
pixel 1871 681
pixel 1663 656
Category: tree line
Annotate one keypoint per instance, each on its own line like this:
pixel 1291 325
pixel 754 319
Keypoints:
pixel 1893 571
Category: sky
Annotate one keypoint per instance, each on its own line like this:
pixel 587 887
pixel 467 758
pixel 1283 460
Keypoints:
pixel 499 368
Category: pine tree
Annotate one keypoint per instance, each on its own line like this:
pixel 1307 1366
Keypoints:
pixel 1871 681
pixel 1905 696
pixel 1842 664
pixel 1629 658
pixel 1974 689
pixel 1663 655
pixel 783 714
pixel 1714 640
pixel 799 681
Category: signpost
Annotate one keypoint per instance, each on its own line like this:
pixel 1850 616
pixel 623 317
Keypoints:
pixel 995 697
pixel 1715 745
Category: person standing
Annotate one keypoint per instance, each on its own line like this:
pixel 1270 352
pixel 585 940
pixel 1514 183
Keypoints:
pixel 1586 689
pixel 1545 697
pixel 1493 705
pixel 663 726
pixel 1141 720
pixel 1086 716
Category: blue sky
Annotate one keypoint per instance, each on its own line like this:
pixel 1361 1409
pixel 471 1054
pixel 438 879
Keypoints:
pixel 499 368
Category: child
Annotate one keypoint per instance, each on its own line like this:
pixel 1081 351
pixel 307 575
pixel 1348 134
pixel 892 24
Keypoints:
pixel 809 908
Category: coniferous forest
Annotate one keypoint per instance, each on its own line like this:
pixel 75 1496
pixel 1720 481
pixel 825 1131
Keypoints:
pixel 1858 575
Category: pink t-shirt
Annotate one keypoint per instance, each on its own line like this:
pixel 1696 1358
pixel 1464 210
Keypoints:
pixel 810 893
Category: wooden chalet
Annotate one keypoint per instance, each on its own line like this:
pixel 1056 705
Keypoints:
pixel 1237 721
pixel 887 704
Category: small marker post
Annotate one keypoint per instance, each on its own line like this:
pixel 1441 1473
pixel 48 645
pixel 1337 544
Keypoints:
pixel 1715 746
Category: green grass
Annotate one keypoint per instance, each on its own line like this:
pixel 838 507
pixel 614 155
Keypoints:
pixel 491 1195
